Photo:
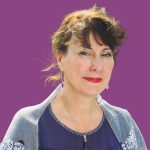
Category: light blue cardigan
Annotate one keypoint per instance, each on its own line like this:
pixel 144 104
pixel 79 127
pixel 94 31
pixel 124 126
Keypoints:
pixel 23 130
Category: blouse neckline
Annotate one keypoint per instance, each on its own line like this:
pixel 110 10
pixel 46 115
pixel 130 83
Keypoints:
pixel 73 131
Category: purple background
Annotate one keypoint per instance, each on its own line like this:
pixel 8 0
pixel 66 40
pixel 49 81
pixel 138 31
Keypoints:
pixel 25 27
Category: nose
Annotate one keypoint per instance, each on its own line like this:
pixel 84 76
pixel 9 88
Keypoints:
pixel 96 64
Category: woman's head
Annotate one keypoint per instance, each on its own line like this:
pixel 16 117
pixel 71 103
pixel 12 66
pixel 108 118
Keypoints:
pixel 86 70
pixel 79 25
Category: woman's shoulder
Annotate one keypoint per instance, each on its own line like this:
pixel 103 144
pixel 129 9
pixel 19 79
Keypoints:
pixel 24 126
pixel 128 133
pixel 30 113
pixel 117 115
pixel 113 110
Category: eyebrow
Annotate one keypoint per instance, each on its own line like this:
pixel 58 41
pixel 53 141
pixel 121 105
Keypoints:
pixel 107 49
pixel 104 49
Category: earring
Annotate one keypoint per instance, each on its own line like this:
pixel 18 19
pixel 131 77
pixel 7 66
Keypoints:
pixel 62 78
pixel 107 87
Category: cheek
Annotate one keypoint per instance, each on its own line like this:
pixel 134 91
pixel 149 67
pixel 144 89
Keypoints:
pixel 74 66
pixel 81 65
pixel 109 68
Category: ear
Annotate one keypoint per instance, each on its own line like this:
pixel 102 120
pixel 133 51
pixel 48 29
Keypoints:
pixel 58 56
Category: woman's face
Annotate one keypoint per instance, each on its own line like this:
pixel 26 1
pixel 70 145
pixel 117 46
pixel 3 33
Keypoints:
pixel 87 71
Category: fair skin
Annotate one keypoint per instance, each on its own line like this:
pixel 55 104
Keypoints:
pixel 76 106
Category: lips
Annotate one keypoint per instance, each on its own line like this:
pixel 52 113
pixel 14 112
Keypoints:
pixel 94 80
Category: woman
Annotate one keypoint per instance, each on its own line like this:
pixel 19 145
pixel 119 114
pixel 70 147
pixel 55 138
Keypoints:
pixel 74 116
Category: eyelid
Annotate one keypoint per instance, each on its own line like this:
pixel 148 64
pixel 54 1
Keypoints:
pixel 105 52
pixel 108 54
pixel 83 52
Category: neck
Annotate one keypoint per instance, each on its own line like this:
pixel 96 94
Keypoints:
pixel 77 103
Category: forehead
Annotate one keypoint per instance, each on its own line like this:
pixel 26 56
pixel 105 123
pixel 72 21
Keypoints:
pixel 91 42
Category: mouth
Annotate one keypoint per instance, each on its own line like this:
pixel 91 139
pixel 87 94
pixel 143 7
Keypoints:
pixel 94 80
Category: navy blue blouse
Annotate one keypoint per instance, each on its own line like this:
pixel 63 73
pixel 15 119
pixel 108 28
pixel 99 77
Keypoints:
pixel 54 135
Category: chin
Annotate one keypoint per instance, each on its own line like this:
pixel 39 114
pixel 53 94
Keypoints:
pixel 94 92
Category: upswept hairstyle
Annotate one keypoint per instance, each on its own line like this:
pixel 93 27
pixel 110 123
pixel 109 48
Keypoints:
pixel 78 25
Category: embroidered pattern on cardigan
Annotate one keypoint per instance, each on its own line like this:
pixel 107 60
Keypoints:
pixel 130 142
pixel 9 144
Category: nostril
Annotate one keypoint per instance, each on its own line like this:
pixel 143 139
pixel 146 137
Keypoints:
pixel 93 68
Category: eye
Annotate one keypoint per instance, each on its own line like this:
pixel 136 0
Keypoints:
pixel 84 53
pixel 108 55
